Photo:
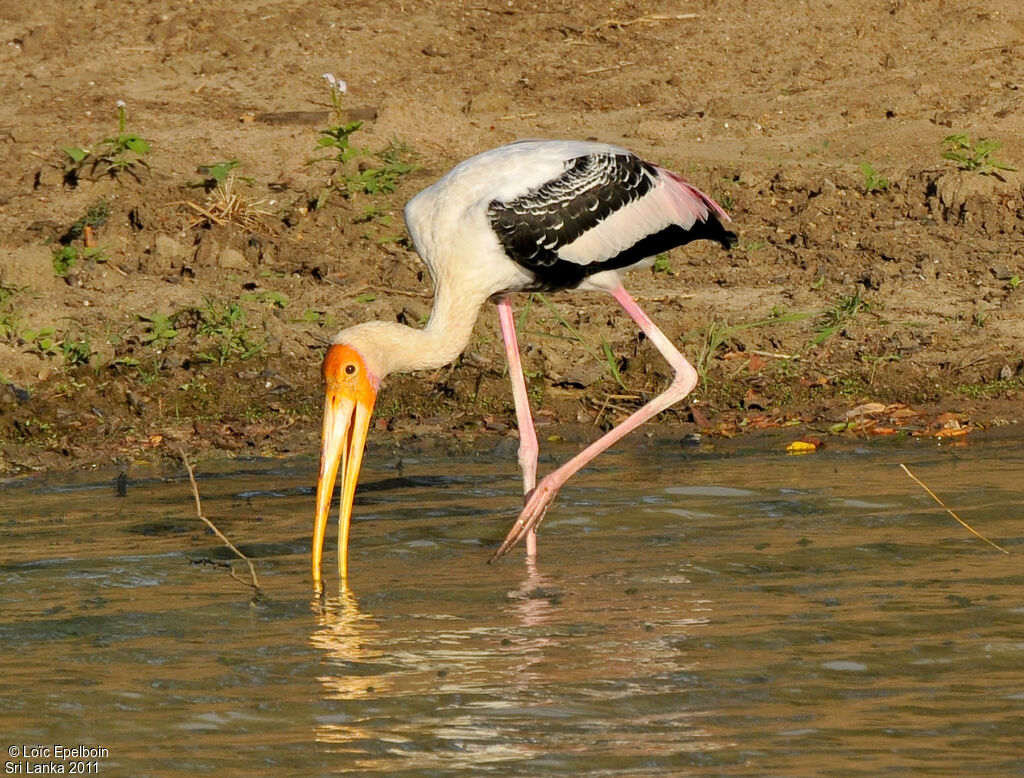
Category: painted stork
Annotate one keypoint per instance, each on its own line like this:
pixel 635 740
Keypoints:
pixel 530 216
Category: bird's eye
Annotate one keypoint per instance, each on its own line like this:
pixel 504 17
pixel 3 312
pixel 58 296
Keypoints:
pixel 350 369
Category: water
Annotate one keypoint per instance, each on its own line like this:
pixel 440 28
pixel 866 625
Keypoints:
pixel 693 613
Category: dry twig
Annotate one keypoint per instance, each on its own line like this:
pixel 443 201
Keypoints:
pixel 620 66
pixel 609 404
pixel 226 206
pixel 648 19
pixel 774 354
pixel 935 497
pixel 253 580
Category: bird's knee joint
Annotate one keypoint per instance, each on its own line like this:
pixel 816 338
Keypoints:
pixel 685 380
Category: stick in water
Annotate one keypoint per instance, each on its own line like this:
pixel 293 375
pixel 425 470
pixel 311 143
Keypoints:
pixel 253 582
pixel 935 497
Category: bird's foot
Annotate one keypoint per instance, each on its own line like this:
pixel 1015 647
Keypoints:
pixel 536 506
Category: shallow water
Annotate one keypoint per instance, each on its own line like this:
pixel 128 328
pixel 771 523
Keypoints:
pixel 692 613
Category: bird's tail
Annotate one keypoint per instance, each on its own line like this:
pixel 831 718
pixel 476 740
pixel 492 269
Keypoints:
pixel 710 215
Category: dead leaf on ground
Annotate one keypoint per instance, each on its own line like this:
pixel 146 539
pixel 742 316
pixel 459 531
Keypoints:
pixel 867 409
pixel 754 400
pixel 810 383
pixel 699 418
pixel 952 432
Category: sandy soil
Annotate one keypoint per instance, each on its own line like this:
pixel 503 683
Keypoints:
pixel 875 282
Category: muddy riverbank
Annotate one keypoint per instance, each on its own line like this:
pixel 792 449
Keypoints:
pixel 172 280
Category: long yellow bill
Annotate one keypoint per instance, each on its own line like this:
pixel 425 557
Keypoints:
pixel 347 409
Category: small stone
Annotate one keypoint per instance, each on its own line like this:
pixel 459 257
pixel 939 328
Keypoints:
pixel 166 255
pixel 233 259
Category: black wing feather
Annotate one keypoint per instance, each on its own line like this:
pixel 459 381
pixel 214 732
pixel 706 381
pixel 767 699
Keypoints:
pixel 533 227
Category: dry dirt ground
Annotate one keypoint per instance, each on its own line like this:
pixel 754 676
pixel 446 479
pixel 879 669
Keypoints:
pixel 876 287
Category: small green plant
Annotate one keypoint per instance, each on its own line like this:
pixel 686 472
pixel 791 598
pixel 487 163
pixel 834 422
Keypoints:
pixel 217 174
pixel 310 316
pixel 611 363
pixel 717 333
pixel 111 156
pixel 76 351
pixel 392 163
pixel 975 157
pixel 1014 282
pixel 195 384
pixel 47 342
pixel 43 340
pixel 275 299
pixel 873 181
pixel 374 212
pixel 160 330
pixel 337 136
pixel 225 326
pixel 835 317
pixel 395 162
pixel 662 265
pixel 66 257
pixel 991 388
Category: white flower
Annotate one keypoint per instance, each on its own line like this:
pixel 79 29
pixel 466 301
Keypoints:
pixel 336 83
pixel 121 104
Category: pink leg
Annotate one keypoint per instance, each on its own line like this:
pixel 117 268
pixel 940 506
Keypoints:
pixel 528 447
pixel 685 380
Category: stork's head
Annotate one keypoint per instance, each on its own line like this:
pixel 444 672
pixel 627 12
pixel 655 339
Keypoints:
pixel 351 386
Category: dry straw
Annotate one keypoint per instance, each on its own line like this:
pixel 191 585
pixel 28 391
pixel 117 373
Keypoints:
pixel 935 497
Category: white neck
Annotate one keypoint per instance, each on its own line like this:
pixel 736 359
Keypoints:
pixel 389 347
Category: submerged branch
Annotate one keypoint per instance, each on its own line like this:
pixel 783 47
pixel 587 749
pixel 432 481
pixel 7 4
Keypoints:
pixel 253 580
